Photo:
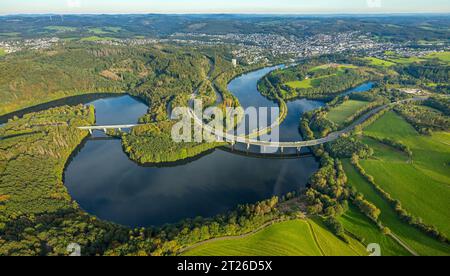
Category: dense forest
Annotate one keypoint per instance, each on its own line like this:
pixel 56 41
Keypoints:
pixel 38 217
pixel 152 143
pixel 153 73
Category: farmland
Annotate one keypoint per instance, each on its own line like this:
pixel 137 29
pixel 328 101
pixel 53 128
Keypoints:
pixel 332 65
pixel 421 185
pixel 97 38
pixel 61 29
pixel 104 30
pixel 393 60
pixel 293 238
pixel 308 83
pixel 442 56
pixel 414 238
pixel 379 62
pixel 340 113
pixel 366 230
pixel 419 181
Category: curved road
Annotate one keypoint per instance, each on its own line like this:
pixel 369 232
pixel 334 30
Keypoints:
pixel 299 144
pixel 248 139
pixel 233 139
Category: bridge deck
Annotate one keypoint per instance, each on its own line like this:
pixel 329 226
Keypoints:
pixel 232 139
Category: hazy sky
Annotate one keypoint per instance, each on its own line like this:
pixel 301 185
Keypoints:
pixel 222 6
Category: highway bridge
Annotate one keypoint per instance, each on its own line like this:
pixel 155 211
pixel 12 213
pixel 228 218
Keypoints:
pixel 233 139
pixel 108 127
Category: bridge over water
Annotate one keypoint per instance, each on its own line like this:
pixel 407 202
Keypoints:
pixel 233 139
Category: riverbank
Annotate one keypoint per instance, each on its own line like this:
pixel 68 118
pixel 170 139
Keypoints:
pixel 152 144
pixel 60 101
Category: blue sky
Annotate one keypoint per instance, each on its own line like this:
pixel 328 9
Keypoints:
pixel 222 6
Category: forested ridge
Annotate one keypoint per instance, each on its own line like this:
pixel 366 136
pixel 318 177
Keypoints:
pixel 163 76
pixel 153 73
pixel 38 216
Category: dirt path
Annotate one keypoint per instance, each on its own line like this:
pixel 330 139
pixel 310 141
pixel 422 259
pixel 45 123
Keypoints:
pixel 403 244
pixel 316 240
pixel 262 227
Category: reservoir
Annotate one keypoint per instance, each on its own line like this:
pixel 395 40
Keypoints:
pixel 107 184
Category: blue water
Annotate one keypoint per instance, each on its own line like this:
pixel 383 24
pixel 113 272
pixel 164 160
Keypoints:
pixel 119 110
pixel 359 89
pixel 105 183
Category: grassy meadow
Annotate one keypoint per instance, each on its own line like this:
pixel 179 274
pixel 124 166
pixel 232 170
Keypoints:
pixel 421 184
pixel 61 29
pixel 379 62
pixel 414 238
pixel 315 82
pixel 338 66
pixel 393 59
pixel 303 84
pixel 368 232
pixel 291 238
pixel 442 56
pixel 343 111
pixel 97 38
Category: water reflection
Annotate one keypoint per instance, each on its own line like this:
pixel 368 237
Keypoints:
pixel 105 183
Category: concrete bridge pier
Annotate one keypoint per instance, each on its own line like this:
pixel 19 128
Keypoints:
pixel 248 146
pixel 282 149
pixel 90 131
pixel 299 149
pixel 105 130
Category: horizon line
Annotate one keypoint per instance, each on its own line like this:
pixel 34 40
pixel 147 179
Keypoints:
pixel 240 13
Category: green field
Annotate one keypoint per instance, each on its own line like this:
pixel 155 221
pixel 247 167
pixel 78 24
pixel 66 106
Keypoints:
pixel 414 238
pixel 379 62
pixel 343 111
pixel 385 152
pixel 104 30
pixel 443 56
pixel 315 81
pixel 406 60
pixel 363 228
pixel 97 38
pixel 337 66
pixel 61 28
pixel 97 31
pixel 307 83
pixel 421 185
pixel 292 238
pixel 113 29
pixel 389 53
pixel 10 35
pixel 2 52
